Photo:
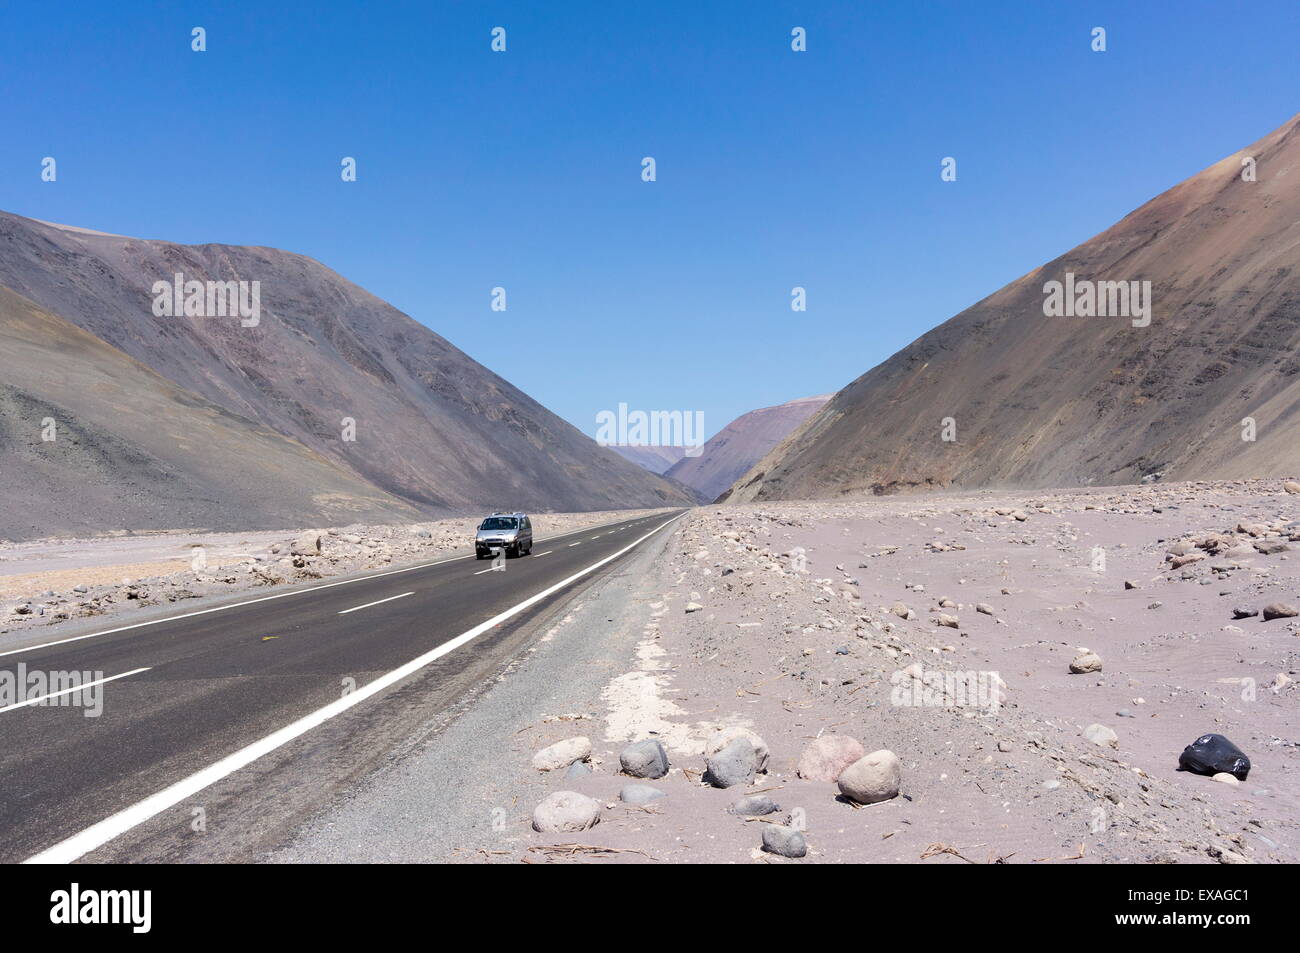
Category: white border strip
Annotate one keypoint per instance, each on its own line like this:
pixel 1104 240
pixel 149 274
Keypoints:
pixel 117 824
pixel 249 602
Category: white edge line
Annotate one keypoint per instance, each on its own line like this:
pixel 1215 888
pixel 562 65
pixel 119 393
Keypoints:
pixel 69 691
pixel 249 602
pixel 375 603
pixel 95 836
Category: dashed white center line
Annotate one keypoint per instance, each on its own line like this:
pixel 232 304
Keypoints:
pixel 375 603
pixel 578 543
pixel 547 553
pixel 69 691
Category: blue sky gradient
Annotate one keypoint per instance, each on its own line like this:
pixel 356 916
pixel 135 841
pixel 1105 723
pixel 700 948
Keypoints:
pixel 522 169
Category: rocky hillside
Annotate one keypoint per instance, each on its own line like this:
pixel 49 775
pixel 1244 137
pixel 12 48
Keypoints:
pixel 326 360
pixel 91 439
pixel 1034 400
pixel 735 448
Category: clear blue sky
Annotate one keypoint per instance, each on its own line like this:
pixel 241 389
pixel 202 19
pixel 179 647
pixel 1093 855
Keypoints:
pixel 522 169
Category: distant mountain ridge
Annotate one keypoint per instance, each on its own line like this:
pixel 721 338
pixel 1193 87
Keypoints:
pixel 738 446
pixel 655 459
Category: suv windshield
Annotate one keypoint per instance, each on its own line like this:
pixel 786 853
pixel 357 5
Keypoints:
pixel 498 522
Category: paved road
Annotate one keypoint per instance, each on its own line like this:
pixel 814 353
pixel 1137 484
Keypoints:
pixel 202 706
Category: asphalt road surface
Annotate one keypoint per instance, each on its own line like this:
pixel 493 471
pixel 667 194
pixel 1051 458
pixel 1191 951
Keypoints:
pixel 202 711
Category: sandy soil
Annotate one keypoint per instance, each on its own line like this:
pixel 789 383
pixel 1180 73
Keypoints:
pixel 39 580
pixel 797 634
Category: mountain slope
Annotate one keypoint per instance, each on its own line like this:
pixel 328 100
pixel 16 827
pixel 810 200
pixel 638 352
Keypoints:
pixel 735 448
pixel 1056 401
pixel 131 450
pixel 432 426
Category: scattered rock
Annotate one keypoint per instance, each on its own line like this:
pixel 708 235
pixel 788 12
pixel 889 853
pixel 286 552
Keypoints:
pixel 1101 735
pixel 734 764
pixel 825 758
pixel 640 794
pixel 566 812
pixel 308 544
pixel 1086 663
pixel 874 777
pixel 562 754
pixel 1225 856
pixel 783 841
pixel 1279 610
pixel 724 736
pixel 756 805
pixel 644 759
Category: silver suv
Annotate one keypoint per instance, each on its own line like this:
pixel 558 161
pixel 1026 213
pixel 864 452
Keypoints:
pixel 512 532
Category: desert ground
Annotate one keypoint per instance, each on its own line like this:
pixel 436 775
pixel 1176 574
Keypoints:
pixel 812 629
pixel 992 677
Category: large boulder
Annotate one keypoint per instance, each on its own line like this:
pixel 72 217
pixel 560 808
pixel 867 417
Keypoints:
pixel 725 736
pixel 755 805
pixel 783 841
pixel 562 754
pixel 826 757
pixel 644 759
pixel 735 764
pixel 308 544
pixel 566 812
pixel 874 777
